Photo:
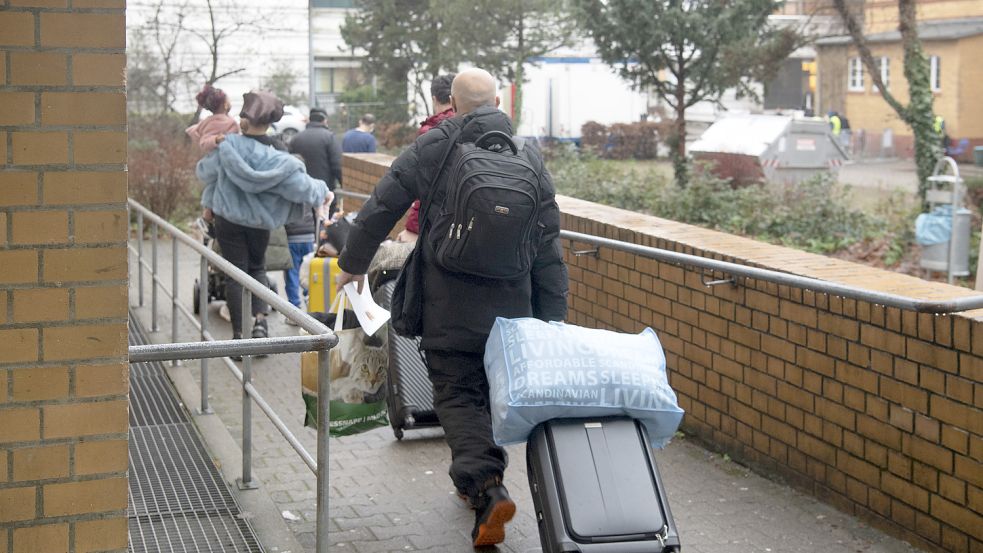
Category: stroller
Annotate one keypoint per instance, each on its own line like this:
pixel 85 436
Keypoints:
pixel 277 259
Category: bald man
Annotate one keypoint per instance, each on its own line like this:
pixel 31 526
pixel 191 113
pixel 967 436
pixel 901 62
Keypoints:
pixel 459 309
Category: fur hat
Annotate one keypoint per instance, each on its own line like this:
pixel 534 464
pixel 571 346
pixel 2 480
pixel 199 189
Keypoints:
pixel 261 107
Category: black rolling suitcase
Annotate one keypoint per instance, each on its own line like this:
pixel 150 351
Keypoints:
pixel 596 488
pixel 409 393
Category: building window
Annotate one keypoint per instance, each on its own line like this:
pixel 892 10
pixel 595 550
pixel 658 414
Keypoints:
pixel 935 73
pixel 335 80
pixel 856 70
pixel 333 3
pixel 884 64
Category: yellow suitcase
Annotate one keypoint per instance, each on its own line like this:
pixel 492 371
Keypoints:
pixel 322 284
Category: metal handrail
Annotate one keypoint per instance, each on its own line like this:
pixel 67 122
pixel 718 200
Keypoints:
pixel 225 348
pixel 320 340
pixel 350 194
pixel 938 307
pixel 807 283
pixel 258 289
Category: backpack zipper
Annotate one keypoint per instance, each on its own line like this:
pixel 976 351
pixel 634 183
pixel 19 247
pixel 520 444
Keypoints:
pixel 452 191
pixel 534 217
pixel 459 205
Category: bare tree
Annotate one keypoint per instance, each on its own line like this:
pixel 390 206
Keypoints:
pixel 918 114
pixel 282 80
pixel 167 36
pixel 155 64
pixel 218 32
pixel 143 75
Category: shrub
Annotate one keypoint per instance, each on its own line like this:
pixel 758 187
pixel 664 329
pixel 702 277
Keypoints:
pixel 592 179
pixel 621 140
pixel 710 201
pixel 394 136
pixel 633 140
pixel 974 192
pixel 814 215
pixel 593 137
pixel 161 165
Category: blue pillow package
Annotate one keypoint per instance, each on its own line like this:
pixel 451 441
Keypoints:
pixel 539 371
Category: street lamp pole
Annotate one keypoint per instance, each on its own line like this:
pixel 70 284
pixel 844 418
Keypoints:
pixel 310 53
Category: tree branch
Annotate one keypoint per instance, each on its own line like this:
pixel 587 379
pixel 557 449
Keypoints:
pixel 227 73
pixel 857 35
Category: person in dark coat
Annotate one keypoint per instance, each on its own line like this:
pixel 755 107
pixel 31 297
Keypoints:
pixel 320 149
pixel 322 157
pixel 459 309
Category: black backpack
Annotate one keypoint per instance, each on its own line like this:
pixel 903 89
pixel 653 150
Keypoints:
pixel 487 218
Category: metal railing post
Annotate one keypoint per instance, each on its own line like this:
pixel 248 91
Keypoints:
pixel 174 295
pixel 140 256
pixel 323 423
pixel 246 482
pixel 154 327
pixel 203 318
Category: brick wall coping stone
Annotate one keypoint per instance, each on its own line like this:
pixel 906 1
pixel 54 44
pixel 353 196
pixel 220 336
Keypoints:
pixel 737 249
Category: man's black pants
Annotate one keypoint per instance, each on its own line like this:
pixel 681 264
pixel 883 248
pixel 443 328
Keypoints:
pixel 245 248
pixel 460 391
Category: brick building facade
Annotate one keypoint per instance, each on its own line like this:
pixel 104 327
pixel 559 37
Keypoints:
pixel 63 270
pixel 951 32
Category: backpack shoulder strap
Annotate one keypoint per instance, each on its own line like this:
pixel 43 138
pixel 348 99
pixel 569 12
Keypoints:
pixel 425 206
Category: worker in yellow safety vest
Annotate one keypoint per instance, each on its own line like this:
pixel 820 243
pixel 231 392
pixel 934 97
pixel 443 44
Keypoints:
pixel 840 128
pixel 938 125
pixel 835 123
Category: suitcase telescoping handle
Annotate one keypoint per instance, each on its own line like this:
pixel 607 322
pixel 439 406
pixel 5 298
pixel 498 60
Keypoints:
pixel 492 137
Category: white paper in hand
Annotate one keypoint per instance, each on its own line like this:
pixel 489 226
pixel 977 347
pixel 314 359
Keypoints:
pixel 369 314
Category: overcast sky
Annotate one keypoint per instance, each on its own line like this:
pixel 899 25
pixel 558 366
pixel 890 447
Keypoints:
pixel 279 40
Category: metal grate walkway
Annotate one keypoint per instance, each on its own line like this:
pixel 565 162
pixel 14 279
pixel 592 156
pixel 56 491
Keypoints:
pixel 178 501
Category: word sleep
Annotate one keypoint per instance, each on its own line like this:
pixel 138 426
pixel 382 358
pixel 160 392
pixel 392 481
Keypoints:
pixel 586 378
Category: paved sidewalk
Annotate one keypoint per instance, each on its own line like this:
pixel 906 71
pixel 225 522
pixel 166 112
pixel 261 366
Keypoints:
pixel 389 496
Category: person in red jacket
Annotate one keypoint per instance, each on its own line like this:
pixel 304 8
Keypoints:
pixel 440 92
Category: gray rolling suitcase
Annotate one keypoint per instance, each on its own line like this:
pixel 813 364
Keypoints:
pixel 596 488
pixel 409 393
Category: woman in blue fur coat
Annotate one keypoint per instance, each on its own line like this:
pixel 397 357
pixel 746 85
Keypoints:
pixel 251 188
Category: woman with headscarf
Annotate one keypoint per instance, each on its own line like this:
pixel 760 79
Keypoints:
pixel 252 187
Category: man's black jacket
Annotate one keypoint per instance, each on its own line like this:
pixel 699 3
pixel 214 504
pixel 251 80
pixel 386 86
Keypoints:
pixel 460 309
pixel 322 156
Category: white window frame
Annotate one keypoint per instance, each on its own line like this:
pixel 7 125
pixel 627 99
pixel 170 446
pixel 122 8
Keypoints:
pixel 884 65
pixel 935 73
pixel 855 75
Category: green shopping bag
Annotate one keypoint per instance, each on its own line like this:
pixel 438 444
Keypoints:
pixel 358 368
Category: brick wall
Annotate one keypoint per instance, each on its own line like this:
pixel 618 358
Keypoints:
pixel 872 409
pixel 882 15
pixel 63 372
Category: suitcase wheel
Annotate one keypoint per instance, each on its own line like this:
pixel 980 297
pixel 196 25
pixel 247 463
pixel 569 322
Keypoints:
pixel 398 432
